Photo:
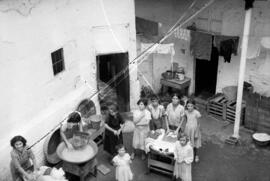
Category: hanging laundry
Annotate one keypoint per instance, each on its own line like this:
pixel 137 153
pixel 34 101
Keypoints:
pixel 201 45
pixel 147 27
pixel 161 49
pixel 227 45
pixel 183 34
pixel 254 47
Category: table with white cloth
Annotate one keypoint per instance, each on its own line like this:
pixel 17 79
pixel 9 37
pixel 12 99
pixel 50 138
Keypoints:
pixel 160 152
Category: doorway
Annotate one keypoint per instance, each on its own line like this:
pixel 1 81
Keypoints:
pixel 206 75
pixel 108 66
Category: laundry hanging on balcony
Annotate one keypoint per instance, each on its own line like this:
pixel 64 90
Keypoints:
pixel 201 45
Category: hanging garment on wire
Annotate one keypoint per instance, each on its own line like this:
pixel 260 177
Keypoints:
pixel 201 45
pixel 161 49
pixel 227 45
pixel 183 34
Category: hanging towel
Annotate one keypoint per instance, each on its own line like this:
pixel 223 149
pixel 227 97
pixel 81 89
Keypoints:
pixel 201 45
pixel 146 27
pixel 227 45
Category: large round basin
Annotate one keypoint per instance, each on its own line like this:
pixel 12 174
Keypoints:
pixel 77 156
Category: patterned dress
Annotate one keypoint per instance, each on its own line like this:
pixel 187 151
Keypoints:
pixel 183 156
pixel 141 129
pixel 192 129
pixel 123 171
pixel 20 159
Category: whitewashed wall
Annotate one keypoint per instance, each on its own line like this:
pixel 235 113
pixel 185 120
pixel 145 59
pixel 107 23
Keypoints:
pixel 33 100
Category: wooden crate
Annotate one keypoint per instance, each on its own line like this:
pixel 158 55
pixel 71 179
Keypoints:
pixel 219 107
pixel 216 106
pixel 230 111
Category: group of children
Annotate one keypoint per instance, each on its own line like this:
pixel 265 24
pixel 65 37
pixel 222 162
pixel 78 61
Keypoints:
pixel 179 118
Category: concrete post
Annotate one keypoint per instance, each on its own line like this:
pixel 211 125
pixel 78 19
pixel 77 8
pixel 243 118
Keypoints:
pixel 242 73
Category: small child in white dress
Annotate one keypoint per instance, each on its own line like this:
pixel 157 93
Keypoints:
pixel 122 162
pixel 183 155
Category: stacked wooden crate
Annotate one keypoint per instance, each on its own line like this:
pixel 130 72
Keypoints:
pixel 230 111
pixel 216 106
pixel 219 107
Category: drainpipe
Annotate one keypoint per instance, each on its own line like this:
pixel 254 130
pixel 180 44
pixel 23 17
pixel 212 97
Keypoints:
pixel 242 71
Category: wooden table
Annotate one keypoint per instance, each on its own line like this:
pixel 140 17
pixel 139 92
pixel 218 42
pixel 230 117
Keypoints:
pixel 90 167
pixel 158 158
pixel 98 135
pixel 181 85
pixel 160 162
pixel 81 170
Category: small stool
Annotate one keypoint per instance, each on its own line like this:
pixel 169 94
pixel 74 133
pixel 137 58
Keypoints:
pixel 82 169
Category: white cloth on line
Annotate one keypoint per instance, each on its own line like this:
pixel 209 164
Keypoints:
pixel 161 49
pixel 182 33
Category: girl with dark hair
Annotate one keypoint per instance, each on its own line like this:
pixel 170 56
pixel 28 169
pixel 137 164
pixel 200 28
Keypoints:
pixel 157 112
pixel 113 130
pixel 174 114
pixel 20 165
pixel 192 129
pixel 73 124
pixel 141 119
pixel 122 162
pixel 183 155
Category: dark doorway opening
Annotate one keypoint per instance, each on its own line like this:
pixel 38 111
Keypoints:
pixel 108 66
pixel 206 75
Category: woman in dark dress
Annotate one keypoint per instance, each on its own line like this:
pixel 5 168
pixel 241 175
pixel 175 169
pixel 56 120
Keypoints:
pixel 113 130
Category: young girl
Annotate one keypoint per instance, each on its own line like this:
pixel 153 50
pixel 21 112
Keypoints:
pixel 192 129
pixel 141 118
pixel 113 130
pixel 175 114
pixel 74 124
pixel 122 162
pixel 183 156
pixel 157 113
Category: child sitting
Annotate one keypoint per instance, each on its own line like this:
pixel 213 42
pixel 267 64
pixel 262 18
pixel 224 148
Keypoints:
pixel 122 162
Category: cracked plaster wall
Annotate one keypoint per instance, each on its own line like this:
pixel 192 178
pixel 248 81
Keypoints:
pixel 33 100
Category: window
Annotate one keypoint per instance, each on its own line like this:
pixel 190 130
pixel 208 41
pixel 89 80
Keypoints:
pixel 58 61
